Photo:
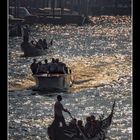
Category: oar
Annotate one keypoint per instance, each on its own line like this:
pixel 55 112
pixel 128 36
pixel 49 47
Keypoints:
pixel 33 38
pixel 50 43
pixel 78 128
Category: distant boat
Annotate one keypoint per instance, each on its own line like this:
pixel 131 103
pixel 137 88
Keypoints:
pixel 32 51
pixel 52 82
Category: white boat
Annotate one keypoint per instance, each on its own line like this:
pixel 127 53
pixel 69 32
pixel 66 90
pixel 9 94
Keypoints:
pixel 53 82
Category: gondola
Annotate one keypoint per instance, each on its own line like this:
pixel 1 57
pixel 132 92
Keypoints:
pixel 68 134
pixel 32 51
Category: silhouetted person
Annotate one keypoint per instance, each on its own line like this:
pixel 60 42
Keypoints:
pixel 39 44
pixel 45 44
pixel 39 68
pixel 62 69
pixel 81 132
pixel 32 43
pixel 45 66
pixel 88 127
pixel 58 115
pixel 26 32
pixel 34 66
pixel 52 67
pixel 95 125
pixel 72 124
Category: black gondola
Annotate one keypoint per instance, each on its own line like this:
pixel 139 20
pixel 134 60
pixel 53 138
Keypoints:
pixel 68 134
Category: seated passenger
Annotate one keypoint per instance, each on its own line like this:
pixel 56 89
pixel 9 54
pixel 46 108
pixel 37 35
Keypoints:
pixel 52 67
pixel 34 66
pixel 39 44
pixel 45 67
pixel 73 127
pixel 39 68
pixel 72 124
pixel 81 129
pixel 61 67
pixel 32 43
pixel 88 127
pixel 95 125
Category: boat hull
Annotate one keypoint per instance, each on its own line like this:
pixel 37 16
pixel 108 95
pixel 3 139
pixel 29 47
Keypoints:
pixel 30 51
pixel 53 82
pixel 68 134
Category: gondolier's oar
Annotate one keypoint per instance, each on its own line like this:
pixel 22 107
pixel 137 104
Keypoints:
pixel 106 122
pixel 79 128
pixel 33 38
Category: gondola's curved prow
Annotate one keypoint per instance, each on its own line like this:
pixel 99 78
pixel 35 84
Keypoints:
pixel 105 123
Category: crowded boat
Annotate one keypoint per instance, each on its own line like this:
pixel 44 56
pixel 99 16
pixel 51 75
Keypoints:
pixel 53 67
pixel 51 76
pixel 32 47
pixel 93 129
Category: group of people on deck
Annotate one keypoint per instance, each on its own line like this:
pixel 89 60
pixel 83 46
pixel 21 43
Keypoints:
pixel 41 43
pixel 53 67
pixel 89 130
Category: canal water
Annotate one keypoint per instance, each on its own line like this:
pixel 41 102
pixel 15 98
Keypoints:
pixel 100 57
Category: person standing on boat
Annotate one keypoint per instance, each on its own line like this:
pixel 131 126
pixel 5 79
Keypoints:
pixel 26 32
pixel 58 115
pixel 34 66
pixel 52 67
pixel 45 46
pixel 60 67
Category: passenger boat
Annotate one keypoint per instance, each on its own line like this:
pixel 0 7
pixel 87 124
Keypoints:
pixel 31 51
pixel 52 82
pixel 68 134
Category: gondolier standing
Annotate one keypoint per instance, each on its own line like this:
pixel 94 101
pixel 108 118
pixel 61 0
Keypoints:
pixel 58 115
pixel 26 32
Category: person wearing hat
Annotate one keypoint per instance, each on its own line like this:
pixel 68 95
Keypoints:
pixel 58 115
